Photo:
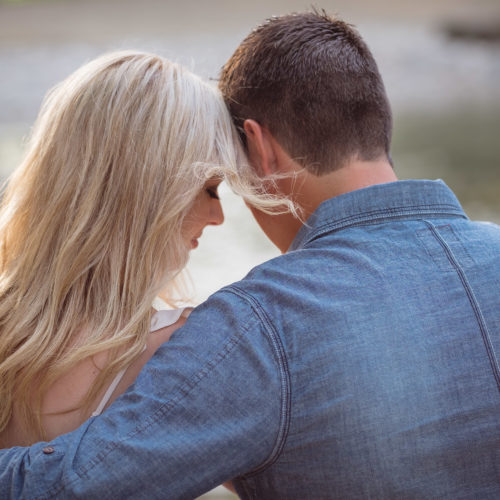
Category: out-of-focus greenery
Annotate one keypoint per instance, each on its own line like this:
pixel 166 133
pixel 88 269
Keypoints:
pixel 462 147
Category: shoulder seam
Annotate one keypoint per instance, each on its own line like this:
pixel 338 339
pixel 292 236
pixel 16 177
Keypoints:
pixel 284 373
pixel 380 216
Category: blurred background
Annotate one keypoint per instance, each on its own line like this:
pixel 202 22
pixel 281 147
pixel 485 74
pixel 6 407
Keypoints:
pixel 440 60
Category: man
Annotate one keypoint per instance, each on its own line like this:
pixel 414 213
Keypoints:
pixel 360 364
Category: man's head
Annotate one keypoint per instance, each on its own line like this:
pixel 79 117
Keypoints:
pixel 313 83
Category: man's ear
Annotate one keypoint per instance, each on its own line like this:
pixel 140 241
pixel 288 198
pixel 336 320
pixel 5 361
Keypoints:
pixel 260 148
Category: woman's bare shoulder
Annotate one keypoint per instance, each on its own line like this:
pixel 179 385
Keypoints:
pixel 61 405
pixel 155 340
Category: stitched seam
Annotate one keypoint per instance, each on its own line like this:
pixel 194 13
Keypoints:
pixel 182 392
pixel 373 218
pixel 421 233
pixel 285 381
pixel 473 301
pixel 50 493
pixel 463 247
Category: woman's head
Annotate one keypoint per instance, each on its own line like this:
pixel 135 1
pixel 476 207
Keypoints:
pixel 123 161
pixel 120 151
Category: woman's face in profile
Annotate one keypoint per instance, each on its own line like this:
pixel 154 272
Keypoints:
pixel 206 210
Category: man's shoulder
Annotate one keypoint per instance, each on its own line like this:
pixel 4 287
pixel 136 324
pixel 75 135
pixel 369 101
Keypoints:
pixel 274 289
pixel 488 227
pixel 276 271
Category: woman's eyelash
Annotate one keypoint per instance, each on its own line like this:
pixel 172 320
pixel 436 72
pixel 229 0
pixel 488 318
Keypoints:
pixel 212 192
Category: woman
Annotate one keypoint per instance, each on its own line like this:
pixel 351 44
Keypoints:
pixel 118 183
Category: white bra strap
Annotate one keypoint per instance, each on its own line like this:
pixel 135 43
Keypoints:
pixel 161 319
pixel 109 392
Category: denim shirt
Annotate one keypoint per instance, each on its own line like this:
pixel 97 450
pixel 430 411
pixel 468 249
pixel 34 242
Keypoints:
pixel 361 364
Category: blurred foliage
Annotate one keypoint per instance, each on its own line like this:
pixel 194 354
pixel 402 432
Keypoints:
pixel 461 146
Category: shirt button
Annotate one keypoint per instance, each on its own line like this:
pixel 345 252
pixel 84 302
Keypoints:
pixel 48 450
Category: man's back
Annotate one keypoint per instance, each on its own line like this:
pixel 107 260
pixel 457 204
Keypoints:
pixel 359 365
pixel 389 314
pixel 387 311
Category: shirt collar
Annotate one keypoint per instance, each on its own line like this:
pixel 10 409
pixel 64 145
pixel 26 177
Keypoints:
pixel 400 199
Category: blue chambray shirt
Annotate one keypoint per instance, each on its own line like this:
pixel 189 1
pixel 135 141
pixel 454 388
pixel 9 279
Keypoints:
pixel 361 364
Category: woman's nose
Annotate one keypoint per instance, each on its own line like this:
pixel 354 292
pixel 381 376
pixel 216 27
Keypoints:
pixel 216 213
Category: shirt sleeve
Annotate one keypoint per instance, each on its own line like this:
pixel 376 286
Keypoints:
pixel 209 406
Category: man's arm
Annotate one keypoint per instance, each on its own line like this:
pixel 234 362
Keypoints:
pixel 209 406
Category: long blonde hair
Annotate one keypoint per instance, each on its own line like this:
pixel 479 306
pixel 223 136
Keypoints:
pixel 90 222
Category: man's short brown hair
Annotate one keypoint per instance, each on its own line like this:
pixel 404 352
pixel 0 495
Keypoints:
pixel 312 81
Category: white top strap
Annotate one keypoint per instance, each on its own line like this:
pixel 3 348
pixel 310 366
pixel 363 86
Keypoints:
pixel 160 320
pixel 109 392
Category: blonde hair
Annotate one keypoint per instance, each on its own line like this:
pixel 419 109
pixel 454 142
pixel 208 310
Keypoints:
pixel 90 223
